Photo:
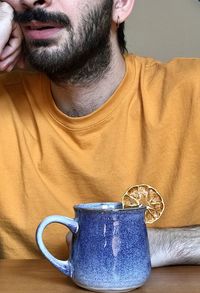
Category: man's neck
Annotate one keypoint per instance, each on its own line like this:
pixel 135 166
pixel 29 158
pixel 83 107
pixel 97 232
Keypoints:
pixel 77 101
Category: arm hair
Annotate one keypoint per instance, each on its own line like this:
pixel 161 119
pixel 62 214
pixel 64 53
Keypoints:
pixel 174 246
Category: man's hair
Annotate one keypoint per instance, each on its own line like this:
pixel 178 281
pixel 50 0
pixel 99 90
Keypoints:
pixel 121 38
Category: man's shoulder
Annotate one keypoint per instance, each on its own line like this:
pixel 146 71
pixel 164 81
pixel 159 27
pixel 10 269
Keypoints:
pixel 181 66
pixel 178 67
pixel 169 91
pixel 184 72
pixel 173 71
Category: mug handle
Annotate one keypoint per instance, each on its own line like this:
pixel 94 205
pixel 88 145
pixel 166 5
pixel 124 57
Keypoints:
pixel 63 266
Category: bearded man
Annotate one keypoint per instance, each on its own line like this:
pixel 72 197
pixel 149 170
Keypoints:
pixel 85 120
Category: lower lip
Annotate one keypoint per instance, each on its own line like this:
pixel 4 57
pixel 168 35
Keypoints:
pixel 42 34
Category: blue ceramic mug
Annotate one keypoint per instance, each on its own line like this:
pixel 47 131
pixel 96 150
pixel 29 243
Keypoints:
pixel 110 250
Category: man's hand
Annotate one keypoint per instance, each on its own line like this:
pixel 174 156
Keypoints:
pixel 10 39
pixel 174 246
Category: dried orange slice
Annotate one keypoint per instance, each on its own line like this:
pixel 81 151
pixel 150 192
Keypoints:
pixel 145 195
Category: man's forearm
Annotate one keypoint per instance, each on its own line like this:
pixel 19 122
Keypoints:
pixel 174 246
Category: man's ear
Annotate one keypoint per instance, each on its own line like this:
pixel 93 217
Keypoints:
pixel 122 9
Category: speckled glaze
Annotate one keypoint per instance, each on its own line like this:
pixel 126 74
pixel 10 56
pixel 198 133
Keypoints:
pixel 110 251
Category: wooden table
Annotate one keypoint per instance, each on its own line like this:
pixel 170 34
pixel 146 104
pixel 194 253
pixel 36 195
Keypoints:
pixel 28 276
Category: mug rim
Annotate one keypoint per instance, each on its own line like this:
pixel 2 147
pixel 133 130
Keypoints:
pixel 105 206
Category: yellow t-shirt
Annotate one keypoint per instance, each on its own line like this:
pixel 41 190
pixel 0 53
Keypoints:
pixel 147 132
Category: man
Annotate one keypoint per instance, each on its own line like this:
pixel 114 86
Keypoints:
pixel 90 122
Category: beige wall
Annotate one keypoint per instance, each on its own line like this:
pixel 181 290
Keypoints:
pixel 164 29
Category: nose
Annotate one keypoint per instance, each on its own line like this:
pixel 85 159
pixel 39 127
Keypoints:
pixel 29 4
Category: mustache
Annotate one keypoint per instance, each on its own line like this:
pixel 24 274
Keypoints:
pixel 42 16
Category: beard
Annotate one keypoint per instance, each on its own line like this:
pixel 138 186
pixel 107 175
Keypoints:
pixel 83 57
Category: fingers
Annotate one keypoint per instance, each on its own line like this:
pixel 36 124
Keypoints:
pixel 18 63
pixel 10 38
pixel 10 61
pixel 6 17
pixel 6 10
pixel 13 44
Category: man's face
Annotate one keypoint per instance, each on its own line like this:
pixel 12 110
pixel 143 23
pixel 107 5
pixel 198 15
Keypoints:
pixel 67 40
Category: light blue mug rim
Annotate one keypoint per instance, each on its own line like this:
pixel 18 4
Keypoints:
pixel 113 207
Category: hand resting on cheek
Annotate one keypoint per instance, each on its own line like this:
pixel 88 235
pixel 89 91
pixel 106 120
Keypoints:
pixel 10 39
